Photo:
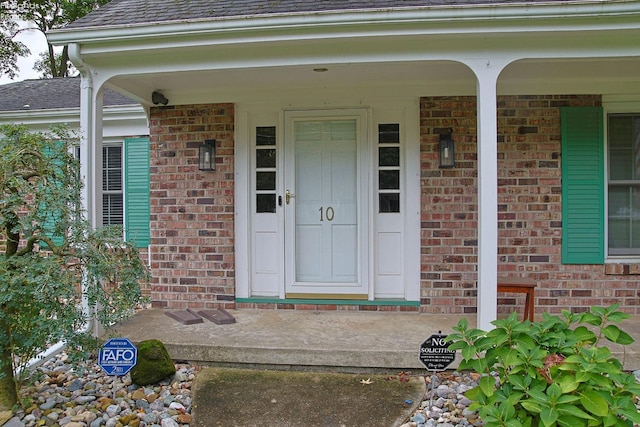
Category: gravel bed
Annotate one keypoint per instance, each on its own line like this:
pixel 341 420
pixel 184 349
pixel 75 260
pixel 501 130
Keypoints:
pixel 60 395
pixel 64 396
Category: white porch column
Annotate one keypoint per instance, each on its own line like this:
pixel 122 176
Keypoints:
pixel 487 72
pixel 91 149
pixel 90 161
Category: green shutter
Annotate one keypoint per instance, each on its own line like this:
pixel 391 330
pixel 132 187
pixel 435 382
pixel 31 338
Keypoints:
pixel 583 185
pixel 136 194
pixel 52 217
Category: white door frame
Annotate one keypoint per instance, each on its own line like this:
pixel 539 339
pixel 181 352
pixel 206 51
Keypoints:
pixel 251 283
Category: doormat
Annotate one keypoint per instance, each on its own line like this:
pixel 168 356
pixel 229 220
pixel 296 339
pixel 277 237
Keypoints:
pixel 219 316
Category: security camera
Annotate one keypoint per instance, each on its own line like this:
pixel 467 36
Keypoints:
pixel 159 98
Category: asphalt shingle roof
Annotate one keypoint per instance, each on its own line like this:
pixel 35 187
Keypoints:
pixel 129 12
pixel 48 94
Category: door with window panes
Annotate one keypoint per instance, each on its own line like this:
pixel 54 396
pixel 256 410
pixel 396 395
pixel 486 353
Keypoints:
pixel 325 205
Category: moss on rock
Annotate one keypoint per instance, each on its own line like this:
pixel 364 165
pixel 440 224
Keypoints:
pixel 154 363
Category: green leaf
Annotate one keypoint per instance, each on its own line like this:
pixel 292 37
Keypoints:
pixel 537 392
pixel 554 391
pixel 468 352
pixel 591 319
pixel 474 394
pixel 507 410
pixel 567 398
pixel 573 411
pixel 548 416
pixel 618 316
pixel 487 384
pixel 458 345
pixel 569 421
pixel 594 403
pixel 583 334
pixel 600 312
pixel 616 335
pixel 519 381
pixel 531 406
pixel 568 383
pixel 609 420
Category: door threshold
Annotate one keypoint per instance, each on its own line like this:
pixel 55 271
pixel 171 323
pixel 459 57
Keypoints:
pixel 380 302
pixel 359 297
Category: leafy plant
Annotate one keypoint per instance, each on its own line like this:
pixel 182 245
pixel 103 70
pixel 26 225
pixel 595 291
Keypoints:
pixel 554 372
pixel 51 256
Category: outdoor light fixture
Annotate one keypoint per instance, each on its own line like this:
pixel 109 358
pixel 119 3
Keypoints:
pixel 447 151
pixel 207 155
pixel 158 98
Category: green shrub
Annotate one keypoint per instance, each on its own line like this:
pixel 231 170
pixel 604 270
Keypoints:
pixel 554 372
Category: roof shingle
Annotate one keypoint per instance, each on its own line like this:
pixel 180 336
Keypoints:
pixel 130 12
pixel 49 94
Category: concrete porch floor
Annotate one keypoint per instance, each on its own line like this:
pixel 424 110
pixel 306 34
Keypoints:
pixel 313 340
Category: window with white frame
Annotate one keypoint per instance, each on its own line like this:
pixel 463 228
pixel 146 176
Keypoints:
pixel 112 193
pixel 623 135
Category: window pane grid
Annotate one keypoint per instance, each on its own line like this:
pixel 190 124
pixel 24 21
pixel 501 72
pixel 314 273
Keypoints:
pixel 389 175
pixel 112 168
pixel 266 173
pixel 624 184
pixel 112 197
pixel 112 209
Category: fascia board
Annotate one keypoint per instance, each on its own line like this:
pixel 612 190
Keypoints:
pixel 483 18
pixel 62 115
pixel 71 116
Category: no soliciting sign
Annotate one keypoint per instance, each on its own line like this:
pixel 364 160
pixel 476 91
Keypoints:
pixel 434 353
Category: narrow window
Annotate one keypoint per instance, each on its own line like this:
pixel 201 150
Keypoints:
pixel 112 195
pixel 265 169
pixel 389 168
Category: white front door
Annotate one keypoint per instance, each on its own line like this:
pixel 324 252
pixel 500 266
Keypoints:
pixel 325 205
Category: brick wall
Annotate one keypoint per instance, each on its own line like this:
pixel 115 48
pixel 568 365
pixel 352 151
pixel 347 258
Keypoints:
pixel 529 211
pixel 192 212
pixel 192 242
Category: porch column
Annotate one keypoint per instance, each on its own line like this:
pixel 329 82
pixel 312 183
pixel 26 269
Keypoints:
pixel 487 72
pixel 91 149
pixel 90 162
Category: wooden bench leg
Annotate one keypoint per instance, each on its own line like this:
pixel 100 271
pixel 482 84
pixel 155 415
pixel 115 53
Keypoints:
pixel 528 305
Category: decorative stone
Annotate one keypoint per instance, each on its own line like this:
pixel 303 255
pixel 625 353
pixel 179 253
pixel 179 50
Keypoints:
pixel 153 365
pixel 169 422
pixel 184 419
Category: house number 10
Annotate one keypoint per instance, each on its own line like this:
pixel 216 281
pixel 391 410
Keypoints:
pixel 327 213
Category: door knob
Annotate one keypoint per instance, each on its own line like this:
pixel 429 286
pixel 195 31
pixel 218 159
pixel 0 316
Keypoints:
pixel 288 196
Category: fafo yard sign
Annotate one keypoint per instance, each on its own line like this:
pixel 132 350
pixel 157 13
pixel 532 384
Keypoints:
pixel 117 356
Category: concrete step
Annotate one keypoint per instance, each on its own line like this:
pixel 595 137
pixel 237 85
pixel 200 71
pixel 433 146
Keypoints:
pixel 290 339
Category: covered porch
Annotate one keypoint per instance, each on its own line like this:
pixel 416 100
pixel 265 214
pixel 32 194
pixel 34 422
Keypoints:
pixel 382 62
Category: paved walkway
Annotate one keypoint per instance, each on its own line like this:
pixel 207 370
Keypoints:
pixel 287 339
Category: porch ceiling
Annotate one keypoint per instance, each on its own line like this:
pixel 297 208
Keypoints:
pixel 611 76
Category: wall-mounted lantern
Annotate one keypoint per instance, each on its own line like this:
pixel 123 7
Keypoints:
pixel 207 155
pixel 447 151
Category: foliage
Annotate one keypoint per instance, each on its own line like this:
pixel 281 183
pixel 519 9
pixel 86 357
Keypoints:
pixel 52 256
pixel 42 65
pixel 550 373
pixel 42 15
pixel 10 49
